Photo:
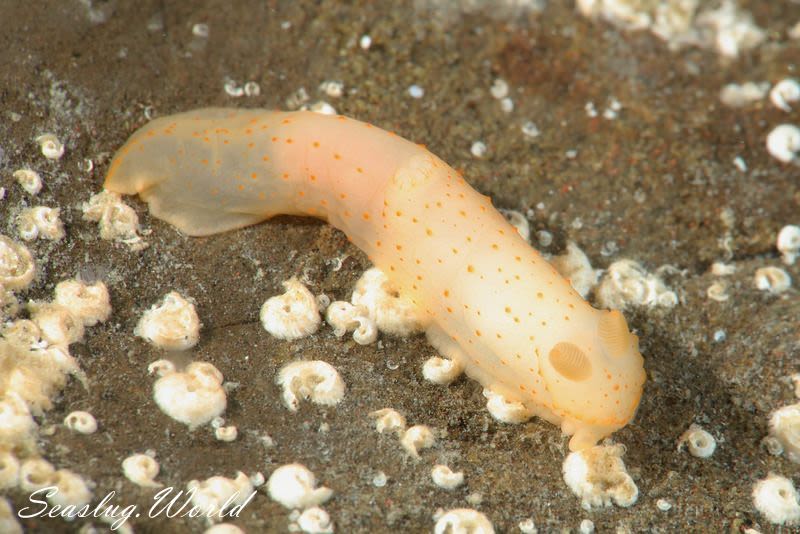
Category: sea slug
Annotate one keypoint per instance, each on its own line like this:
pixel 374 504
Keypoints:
pixel 491 301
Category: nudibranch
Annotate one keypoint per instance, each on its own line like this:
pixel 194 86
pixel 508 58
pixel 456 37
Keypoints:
pixel 491 302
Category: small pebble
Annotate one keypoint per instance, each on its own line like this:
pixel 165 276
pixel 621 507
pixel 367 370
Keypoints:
pixel 200 30
pixel 380 479
pixel 478 149
pixel 529 129
pixel 415 91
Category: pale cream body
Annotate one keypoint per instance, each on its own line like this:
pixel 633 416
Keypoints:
pixel 492 301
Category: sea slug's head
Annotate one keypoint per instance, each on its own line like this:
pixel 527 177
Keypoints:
pixel 595 378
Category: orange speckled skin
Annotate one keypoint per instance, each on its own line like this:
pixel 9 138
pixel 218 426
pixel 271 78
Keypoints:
pixel 492 301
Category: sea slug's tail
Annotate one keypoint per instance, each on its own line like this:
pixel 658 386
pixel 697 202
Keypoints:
pixel 175 164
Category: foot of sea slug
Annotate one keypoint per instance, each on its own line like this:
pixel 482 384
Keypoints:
pixel 583 434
